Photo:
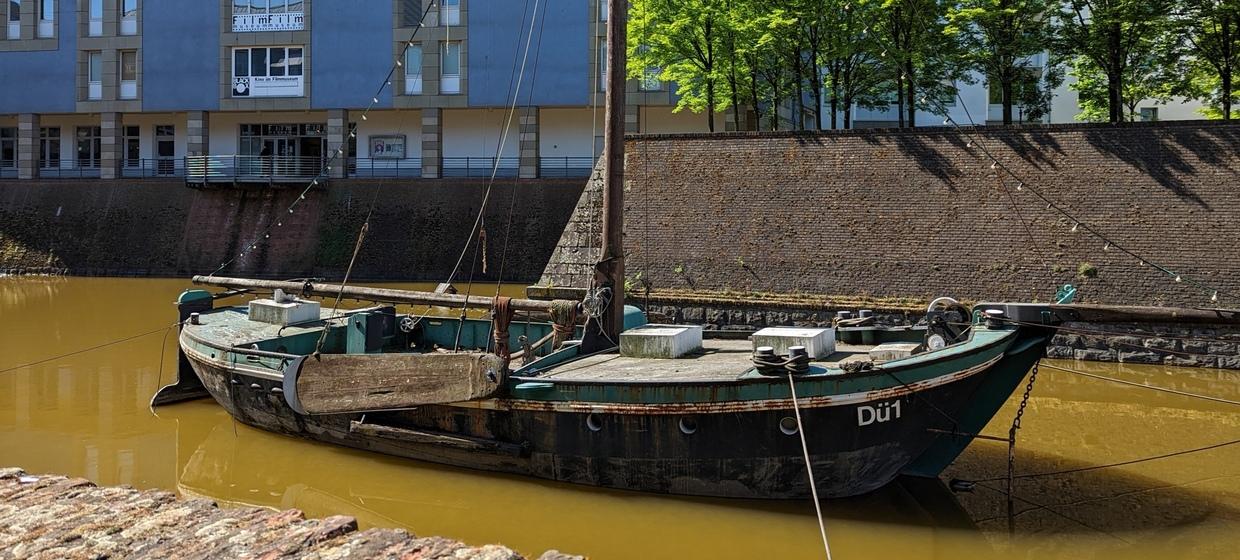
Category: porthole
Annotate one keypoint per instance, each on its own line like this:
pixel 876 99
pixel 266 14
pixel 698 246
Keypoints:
pixel 594 422
pixel 688 426
pixel 788 425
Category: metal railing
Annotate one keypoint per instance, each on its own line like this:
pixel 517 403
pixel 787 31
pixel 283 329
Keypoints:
pixel 553 167
pixel 149 168
pixel 252 169
pixel 8 169
pixel 70 169
pixel 368 167
pixel 480 166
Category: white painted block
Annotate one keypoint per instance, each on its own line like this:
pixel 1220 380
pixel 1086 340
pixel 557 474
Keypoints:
pixel 818 342
pixel 284 313
pixel 660 341
pixel 892 351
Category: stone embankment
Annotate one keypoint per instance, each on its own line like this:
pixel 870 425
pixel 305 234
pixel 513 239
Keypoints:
pixel 48 516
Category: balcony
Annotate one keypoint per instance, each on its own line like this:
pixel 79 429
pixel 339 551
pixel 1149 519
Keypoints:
pixel 153 168
pixel 70 169
pixel 480 166
pixel 254 170
pixel 565 167
pixel 388 168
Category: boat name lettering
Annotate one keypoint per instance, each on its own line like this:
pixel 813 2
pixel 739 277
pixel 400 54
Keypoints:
pixel 882 412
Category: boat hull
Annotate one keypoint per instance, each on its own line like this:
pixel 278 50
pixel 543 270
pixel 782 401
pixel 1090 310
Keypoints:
pixel 855 447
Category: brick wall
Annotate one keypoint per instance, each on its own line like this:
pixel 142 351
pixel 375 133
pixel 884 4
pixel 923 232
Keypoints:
pixel 920 213
pixel 162 228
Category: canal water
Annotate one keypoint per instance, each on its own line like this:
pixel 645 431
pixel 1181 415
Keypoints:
pixel 87 415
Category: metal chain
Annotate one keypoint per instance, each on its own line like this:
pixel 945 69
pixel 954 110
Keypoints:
pixel 1011 474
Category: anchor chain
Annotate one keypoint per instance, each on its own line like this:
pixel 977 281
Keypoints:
pixel 1011 474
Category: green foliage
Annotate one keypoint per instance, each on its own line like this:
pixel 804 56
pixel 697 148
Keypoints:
pixel 1087 270
pixel 1206 53
pixel 1000 38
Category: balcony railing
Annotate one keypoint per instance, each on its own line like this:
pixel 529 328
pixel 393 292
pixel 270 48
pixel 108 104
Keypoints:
pixel 158 167
pixel 480 166
pixel 366 167
pixel 252 169
pixel 554 167
pixel 70 169
pixel 8 170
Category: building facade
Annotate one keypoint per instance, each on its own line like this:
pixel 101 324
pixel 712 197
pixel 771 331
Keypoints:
pixel 128 88
pixel 275 88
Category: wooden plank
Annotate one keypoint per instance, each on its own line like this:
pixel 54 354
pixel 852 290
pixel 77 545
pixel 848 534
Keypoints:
pixel 342 383
pixel 407 435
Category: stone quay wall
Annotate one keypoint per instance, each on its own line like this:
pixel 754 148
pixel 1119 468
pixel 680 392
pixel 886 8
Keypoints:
pixel 153 227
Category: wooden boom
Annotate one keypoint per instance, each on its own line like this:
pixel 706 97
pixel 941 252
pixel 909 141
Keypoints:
pixel 1138 314
pixel 387 295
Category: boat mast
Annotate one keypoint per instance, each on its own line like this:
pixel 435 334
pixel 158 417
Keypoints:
pixel 610 269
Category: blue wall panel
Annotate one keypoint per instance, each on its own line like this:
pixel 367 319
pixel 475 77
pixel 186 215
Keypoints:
pixel 43 81
pixel 559 58
pixel 351 54
pixel 180 55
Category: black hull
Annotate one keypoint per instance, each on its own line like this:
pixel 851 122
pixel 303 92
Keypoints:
pixel 730 454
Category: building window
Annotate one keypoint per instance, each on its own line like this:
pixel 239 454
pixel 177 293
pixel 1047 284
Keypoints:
pixel 165 149
pixel 129 17
pixel 47 19
pixel 413 70
pixel 410 13
pixel 8 147
pixel 49 147
pixel 450 12
pixel 88 146
pixel 1149 114
pixel 95 11
pixel 650 76
pixel 94 77
pixel 450 78
pixel 129 74
pixel 15 19
pixel 602 64
pixel 268 15
pixel 133 147
pixel 603 8
pixel 268 72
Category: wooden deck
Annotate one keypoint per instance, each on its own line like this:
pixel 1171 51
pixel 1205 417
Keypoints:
pixel 719 360
pixel 49 516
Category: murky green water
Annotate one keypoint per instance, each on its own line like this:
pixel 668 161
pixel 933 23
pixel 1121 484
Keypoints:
pixel 86 415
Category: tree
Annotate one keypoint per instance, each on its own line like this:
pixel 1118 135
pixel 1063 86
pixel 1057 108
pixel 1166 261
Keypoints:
pixel 1209 50
pixel 1144 78
pixel 850 58
pixel 1000 38
pixel 687 40
pixel 923 60
pixel 1111 36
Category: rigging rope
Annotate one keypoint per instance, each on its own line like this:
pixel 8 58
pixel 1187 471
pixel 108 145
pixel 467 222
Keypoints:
pixel 1117 464
pixel 809 469
pixel 84 350
pixel 1143 386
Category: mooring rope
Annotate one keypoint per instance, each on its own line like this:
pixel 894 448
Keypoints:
pixel 809 470
pixel 92 348
pixel 1143 386
pixel 1112 465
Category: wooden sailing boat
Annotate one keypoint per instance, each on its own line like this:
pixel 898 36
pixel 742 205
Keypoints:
pixel 719 421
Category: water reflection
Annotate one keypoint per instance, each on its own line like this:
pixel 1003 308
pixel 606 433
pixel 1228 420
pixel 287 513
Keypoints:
pixel 86 415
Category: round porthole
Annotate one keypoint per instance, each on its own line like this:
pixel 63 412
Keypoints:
pixel 788 425
pixel 594 422
pixel 688 426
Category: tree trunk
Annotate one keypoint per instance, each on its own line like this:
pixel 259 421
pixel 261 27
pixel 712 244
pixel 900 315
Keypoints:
pixel 753 96
pixel 1226 77
pixel 710 104
pixel 835 95
pixel 847 111
pixel 798 105
pixel 900 99
pixel 1006 91
pixel 911 84
pixel 1115 79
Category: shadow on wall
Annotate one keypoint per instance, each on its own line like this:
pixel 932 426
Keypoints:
pixel 1162 156
pixel 1032 146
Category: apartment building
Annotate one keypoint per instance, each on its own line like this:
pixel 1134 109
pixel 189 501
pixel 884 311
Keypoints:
pixel 271 88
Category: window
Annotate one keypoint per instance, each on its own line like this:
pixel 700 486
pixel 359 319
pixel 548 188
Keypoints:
pixel 1149 114
pixel 133 145
pixel 94 78
pixel 410 13
pixel 165 149
pixel 602 10
pixel 88 146
pixel 47 18
pixel 450 12
pixel 268 15
pixel 450 81
pixel 49 147
pixel 268 72
pixel 602 65
pixel 129 17
pixel 95 10
pixel 650 76
pixel 413 70
pixel 129 74
pixel 8 147
pixel 15 19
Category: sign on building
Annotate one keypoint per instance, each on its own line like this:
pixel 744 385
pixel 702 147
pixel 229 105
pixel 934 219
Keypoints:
pixel 387 147
pixel 269 86
pixel 243 23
